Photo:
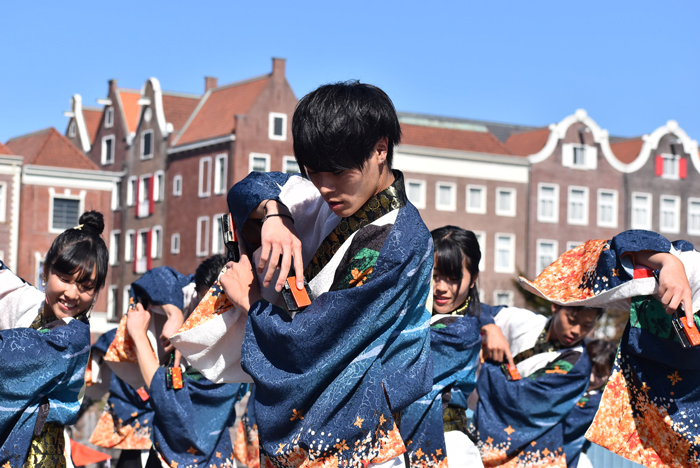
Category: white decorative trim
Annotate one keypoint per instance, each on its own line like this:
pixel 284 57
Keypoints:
pixel 481 209
pixel 103 156
pixel 651 143
pixel 220 186
pixel 202 144
pixel 158 186
pixel 271 126
pixel 156 242
pixel 156 103
pixel 558 132
pixel 79 119
pixel 511 212
pixel 204 181
pixel 422 188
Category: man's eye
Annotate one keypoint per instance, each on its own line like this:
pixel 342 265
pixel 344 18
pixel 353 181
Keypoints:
pixel 337 173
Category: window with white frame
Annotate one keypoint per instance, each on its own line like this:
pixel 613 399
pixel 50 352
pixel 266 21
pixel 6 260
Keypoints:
pixel 671 165
pixel 220 171
pixel 116 195
pixel 204 189
pixel 481 239
pixel 177 186
pixel 71 129
pixel 217 240
pixel 504 261
pixel 505 201
pixel 548 203
pixel 158 186
pixel 476 199
pixel 572 245
pixel 129 240
pixel 202 236
pixel 290 165
pixel 157 242
pixel 145 195
pixel 259 162
pixel 65 213
pixel 578 156
pixel 3 202
pixel 142 251
pixel 445 196
pixel 577 212
pixel 607 208
pixel 126 295
pixel 415 190
pixel 107 150
pixel 547 252
pixel 114 241
pixel 112 302
pixel 694 216
pixel 641 211
pixel 669 214
pixel 503 297
pixel 131 191
pixel 175 243
pixel 278 126
pixel 109 117
pixel 147 144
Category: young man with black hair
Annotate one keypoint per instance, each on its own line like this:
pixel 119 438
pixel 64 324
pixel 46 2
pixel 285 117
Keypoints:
pixel 330 382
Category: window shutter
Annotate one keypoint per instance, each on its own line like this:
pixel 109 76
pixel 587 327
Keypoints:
pixel 149 257
pixel 567 155
pixel 591 157
pixel 136 197
pixel 682 168
pixel 659 165
pixel 151 201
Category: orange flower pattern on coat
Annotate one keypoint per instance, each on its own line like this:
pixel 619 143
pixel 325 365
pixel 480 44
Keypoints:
pixel 359 277
pixel 214 303
pixel 122 348
pixel 629 423
pixel 246 448
pixel 562 280
pixel 109 434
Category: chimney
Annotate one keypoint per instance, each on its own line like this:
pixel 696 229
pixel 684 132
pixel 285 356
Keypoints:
pixel 112 85
pixel 210 82
pixel 278 65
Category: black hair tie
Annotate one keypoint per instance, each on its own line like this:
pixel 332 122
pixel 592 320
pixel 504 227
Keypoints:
pixel 281 215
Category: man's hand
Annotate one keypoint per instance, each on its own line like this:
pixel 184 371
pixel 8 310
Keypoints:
pixel 137 321
pixel 279 241
pixel 674 288
pixel 495 346
pixel 240 283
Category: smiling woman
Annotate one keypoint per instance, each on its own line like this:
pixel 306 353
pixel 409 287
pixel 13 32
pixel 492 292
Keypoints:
pixel 53 334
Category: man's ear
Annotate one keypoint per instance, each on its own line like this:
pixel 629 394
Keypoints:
pixel 382 147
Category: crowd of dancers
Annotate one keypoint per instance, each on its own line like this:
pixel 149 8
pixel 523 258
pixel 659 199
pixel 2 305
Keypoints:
pixel 357 336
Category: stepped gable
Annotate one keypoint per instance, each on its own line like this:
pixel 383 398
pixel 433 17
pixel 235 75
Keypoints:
pixel 49 148
pixel 215 115
pixel 527 143
pixel 628 150
pixel 178 107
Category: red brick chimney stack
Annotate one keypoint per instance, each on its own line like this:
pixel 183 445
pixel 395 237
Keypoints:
pixel 278 66
pixel 210 82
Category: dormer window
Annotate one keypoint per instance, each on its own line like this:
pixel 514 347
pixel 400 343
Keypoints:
pixel 277 126
pixel 579 156
pixel 109 117
pixel 671 166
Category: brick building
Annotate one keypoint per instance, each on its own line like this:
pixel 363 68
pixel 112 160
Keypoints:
pixel 52 184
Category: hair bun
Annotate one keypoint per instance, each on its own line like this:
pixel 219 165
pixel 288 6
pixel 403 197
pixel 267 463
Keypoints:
pixel 93 221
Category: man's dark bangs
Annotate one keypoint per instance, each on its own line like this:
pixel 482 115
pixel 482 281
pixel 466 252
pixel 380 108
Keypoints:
pixel 80 257
pixel 449 259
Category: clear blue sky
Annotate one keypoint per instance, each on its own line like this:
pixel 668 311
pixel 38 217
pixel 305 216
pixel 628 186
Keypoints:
pixel 632 65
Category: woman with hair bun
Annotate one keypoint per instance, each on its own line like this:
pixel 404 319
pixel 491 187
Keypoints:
pixel 45 344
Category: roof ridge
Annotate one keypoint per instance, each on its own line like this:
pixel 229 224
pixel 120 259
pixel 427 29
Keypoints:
pixel 241 82
pixel 93 108
pixel 43 145
pixel 462 119
pixel 183 95
pixel 192 116
pixel 500 143
pixel 30 134
pixel 129 90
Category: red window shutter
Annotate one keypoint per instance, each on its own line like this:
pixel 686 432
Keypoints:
pixel 151 201
pixel 136 251
pixel 682 168
pixel 659 165
pixel 136 199
pixel 149 257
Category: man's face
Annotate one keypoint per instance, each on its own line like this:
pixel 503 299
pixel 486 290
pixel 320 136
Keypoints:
pixel 570 325
pixel 347 191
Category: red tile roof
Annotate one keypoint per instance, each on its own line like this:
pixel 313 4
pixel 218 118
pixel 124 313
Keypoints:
pixel 527 143
pixel 464 140
pixel 216 116
pixel 177 109
pixel 92 122
pixel 49 148
pixel 130 107
pixel 4 149
pixel 627 151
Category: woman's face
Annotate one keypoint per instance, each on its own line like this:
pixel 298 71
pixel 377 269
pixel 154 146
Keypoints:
pixel 450 293
pixel 65 297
